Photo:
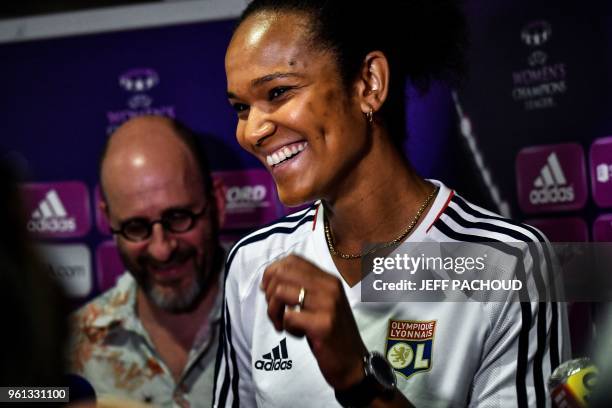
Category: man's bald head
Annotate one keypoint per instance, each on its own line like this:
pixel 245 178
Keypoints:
pixel 149 140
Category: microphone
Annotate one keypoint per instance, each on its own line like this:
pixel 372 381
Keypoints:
pixel 80 390
pixel 572 382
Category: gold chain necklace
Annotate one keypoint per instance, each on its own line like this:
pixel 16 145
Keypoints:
pixel 410 227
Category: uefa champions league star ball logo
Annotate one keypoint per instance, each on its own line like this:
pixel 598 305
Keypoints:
pixel 538 57
pixel 536 33
pixel 139 80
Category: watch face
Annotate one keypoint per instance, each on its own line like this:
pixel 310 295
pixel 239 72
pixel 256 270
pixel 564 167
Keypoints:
pixel 382 370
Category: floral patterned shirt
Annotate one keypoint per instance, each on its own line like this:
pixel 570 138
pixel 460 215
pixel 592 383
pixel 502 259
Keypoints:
pixel 111 348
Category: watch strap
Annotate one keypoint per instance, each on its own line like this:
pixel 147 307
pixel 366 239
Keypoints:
pixel 365 391
pixel 360 394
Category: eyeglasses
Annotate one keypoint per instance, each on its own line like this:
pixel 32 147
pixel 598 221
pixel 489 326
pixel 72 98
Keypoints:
pixel 175 220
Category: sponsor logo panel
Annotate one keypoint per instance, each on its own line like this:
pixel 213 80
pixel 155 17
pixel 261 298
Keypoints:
pixel 602 228
pixel 551 178
pixel 601 171
pixel 409 347
pixel 70 265
pixel 109 266
pixel 570 229
pixel 57 210
pixel 250 198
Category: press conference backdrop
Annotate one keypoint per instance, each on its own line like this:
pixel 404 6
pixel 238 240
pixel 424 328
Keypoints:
pixel 529 133
pixel 537 114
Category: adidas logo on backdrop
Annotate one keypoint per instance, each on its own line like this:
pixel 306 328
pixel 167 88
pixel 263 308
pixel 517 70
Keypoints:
pixel 551 185
pixel 51 216
pixel 276 360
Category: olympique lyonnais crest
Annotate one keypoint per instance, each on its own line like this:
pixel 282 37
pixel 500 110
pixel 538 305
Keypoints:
pixel 409 346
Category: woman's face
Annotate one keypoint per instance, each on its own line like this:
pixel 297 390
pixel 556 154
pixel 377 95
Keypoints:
pixel 294 113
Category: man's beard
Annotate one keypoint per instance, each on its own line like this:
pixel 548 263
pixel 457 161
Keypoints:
pixel 177 299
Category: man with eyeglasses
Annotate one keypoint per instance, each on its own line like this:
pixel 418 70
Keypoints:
pixel 153 337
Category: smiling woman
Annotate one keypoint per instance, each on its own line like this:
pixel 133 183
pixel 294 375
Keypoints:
pixel 291 76
pixel 319 90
